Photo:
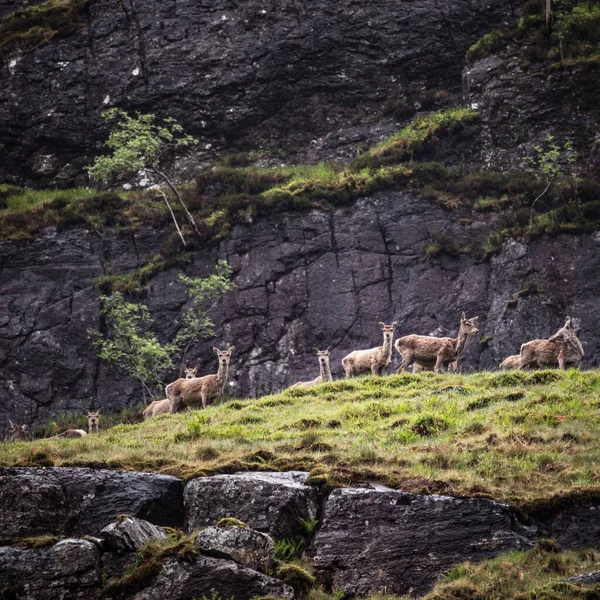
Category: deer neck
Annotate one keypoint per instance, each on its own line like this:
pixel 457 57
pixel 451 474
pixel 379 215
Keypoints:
pixel 222 375
pixel 325 371
pixel 461 341
pixel 387 349
pixel 574 347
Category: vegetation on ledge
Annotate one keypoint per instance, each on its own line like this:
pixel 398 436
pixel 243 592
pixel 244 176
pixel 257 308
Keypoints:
pixel 520 437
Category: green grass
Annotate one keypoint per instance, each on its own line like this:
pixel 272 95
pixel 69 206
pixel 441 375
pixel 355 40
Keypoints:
pixel 35 26
pixel 518 436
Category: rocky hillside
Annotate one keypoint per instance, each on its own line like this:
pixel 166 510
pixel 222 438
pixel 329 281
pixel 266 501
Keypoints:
pixel 415 226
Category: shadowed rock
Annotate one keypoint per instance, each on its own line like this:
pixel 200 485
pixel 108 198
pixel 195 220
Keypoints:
pixel 72 501
pixel 69 569
pixel 130 534
pixel 389 541
pixel 245 546
pixel 269 502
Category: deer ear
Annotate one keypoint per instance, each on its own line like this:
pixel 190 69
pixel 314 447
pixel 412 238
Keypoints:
pixel 463 317
pixel 231 349
pixel 475 319
pixel 215 350
pixel 316 350
pixel 12 424
pixel 100 410
pixel 86 413
pixel 395 324
pixel 24 427
pixel 569 322
pixel 382 325
pixel 328 349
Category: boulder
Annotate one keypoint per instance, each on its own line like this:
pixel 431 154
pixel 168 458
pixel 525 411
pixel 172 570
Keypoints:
pixel 592 578
pixel 271 503
pixel 389 541
pixel 129 534
pixel 68 569
pixel 245 546
pixel 73 501
pixel 209 576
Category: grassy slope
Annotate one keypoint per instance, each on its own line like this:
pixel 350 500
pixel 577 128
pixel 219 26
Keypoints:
pixel 516 436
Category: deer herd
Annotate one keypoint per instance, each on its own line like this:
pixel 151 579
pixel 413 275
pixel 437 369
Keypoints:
pixel 423 352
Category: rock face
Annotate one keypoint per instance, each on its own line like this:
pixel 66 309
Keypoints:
pixel 69 569
pixel 303 280
pixel 276 73
pixel 245 546
pixel 206 575
pixel 70 501
pixel 129 534
pixel 576 526
pixel 268 502
pixel 388 541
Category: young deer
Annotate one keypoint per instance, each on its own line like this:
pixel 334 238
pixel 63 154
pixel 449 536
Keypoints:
pixel 374 359
pixel 17 433
pixel 430 352
pixel 158 407
pixel 562 349
pixel 323 356
pixel 200 390
pixel 511 362
pixel 93 419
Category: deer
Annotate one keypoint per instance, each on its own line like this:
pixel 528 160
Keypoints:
pixel 158 407
pixel 562 349
pixel 18 433
pixel 511 362
pixel 325 376
pixel 434 352
pixel 189 373
pixel 93 419
pixel 374 360
pixel 200 390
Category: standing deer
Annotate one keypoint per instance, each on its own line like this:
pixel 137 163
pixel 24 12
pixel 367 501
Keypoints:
pixel 374 359
pixel 200 390
pixel 17 433
pixel 562 349
pixel 93 419
pixel 430 352
pixel 189 373
pixel 325 376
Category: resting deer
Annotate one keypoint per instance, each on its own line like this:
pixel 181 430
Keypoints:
pixel 323 356
pixel 158 407
pixel 511 362
pixel 17 433
pixel 434 352
pixel 200 390
pixel 562 349
pixel 374 359
pixel 417 368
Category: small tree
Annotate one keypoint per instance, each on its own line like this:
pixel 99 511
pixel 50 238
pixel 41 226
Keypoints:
pixel 547 168
pixel 140 144
pixel 133 347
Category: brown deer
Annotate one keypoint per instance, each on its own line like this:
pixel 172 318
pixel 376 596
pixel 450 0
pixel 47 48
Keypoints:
pixel 158 407
pixel 188 373
pixel 511 362
pixel 17 433
pixel 374 359
pixel 325 376
pixel 200 390
pixel 434 352
pixel 93 419
pixel 562 349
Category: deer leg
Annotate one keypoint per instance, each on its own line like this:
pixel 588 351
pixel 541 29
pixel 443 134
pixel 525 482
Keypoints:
pixel 439 364
pixel 204 399
pixel 406 360
pixel 375 370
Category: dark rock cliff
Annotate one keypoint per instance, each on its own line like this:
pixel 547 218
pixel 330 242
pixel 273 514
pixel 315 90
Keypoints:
pixel 233 73
pixel 316 279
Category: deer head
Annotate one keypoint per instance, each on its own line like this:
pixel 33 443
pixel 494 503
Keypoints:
pixel 468 325
pixel 224 356
pixel 18 432
pixel 189 373
pixel 93 419
pixel 566 332
pixel 323 356
pixel 388 330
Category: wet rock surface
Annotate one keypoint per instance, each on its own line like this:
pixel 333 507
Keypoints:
pixel 245 546
pixel 388 541
pixel 303 280
pixel 248 73
pixel 72 501
pixel 69 569
pixel 129 534
pixel 268 502
pixel 576 526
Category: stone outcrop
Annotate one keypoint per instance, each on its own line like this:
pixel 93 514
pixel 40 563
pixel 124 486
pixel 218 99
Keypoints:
pixel 392 542
pixel 271 503
pixel 207 575
pixel 246 546
pixel 278 73
pixel 129 534
pixel 574 525
pixel 69 569
pixel 72 501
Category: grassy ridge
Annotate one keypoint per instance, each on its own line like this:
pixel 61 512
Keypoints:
pixel 517 436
